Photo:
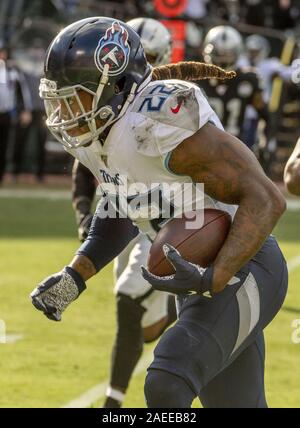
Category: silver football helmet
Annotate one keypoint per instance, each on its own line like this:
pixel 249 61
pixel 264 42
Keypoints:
pixel 155 39
pixel 222 46
pixel 257 48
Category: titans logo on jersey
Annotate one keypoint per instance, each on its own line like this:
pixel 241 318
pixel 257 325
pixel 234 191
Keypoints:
pixel 230 99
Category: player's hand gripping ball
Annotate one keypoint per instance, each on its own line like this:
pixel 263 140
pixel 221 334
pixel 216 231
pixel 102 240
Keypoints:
pixel 188 277
pixel 180 258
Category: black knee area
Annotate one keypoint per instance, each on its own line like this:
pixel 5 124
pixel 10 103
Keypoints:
pixel 166 390
pixel 154 338
pixel 128 344
pixel 129 321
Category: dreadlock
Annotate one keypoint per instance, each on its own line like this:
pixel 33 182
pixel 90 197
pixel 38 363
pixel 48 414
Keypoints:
pixel 191 70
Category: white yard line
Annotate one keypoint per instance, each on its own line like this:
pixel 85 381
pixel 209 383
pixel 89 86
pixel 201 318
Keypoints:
pixel 36 194
pixel 88 398
pixel 13 338
pixel 6 338
pixel 98 391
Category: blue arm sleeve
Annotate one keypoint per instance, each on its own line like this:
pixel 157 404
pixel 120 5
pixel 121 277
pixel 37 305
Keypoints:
pixel 107 238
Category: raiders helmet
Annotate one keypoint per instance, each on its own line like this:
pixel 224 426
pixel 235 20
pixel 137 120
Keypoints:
pixel 222 46
pixel 155 38
pixel 257 48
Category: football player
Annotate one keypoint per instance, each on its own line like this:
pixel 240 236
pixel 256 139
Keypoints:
pixel 120 117
pixel 223 46
pixel 257 50
pixel 257 56
pixel 292 171
pixel 142 314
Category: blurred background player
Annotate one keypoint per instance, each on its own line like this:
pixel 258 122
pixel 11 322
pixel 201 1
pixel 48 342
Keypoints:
pixel 31 59
pixel 15 100
pixel 257 51
pixel 142 314
pixel 292 171
pixel 223 46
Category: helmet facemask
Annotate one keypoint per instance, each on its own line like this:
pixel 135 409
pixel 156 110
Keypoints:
pixel 62 120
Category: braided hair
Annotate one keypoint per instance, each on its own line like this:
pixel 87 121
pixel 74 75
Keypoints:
pixel 191 70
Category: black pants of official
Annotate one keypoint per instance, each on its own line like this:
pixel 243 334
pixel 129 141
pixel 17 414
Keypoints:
pixel 4 135
pixel 21 137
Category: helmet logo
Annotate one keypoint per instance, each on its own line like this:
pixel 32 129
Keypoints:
pixel 113 49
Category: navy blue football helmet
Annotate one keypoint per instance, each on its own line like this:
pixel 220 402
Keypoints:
pixel 101 56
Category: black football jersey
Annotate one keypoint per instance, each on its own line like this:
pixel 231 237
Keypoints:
pixel 230 98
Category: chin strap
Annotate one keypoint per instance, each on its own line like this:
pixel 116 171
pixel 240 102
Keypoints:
pixel 103 82
pixel 113 119
pixel 129 100
pixel 133 93
pixel 96 98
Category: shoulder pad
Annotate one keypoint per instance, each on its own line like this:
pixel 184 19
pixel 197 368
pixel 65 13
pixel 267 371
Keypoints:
pixel 166 113
pixel 172 102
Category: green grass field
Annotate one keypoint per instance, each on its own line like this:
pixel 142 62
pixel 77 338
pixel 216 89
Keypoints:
pixel 54 363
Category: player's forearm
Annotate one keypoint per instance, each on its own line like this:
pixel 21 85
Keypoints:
pixel 107 238
pixel 84 266
pixel 97 252
pixel 254 221
pixel 292 172
pixel 292 180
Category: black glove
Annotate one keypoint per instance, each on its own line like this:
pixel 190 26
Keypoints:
pixel 56 292
pixel 84 227
pixel 188 278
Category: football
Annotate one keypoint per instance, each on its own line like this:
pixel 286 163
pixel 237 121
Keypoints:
pixel 197 245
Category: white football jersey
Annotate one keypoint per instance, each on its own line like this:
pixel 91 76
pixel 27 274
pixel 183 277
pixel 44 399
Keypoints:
pixel 135 154
pixel 266 68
